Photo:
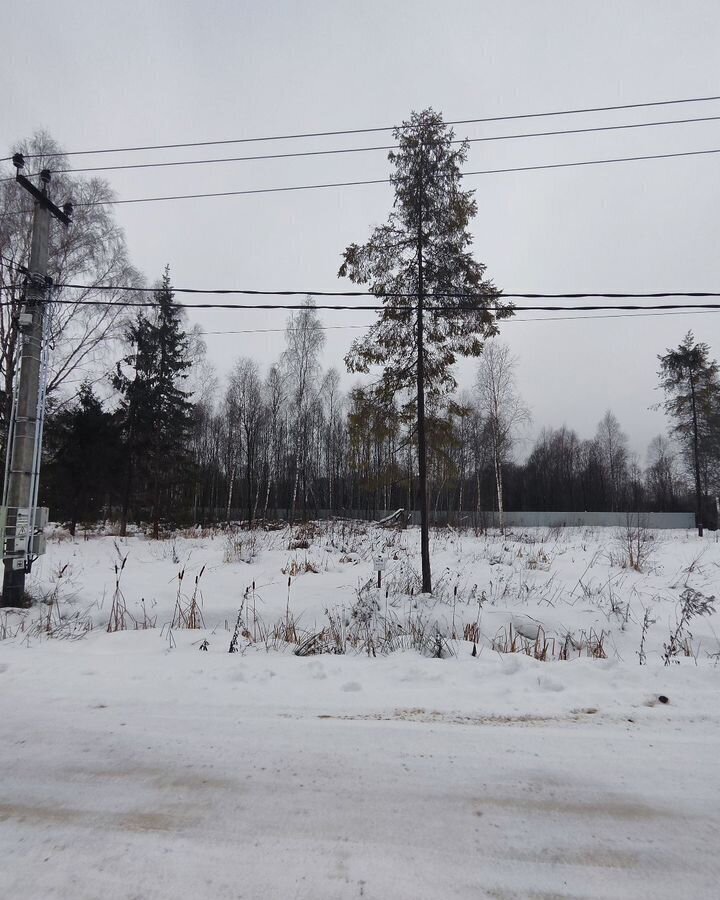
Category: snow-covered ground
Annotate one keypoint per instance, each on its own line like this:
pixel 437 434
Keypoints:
pixel 137 765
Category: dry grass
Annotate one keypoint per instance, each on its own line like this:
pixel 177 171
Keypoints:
pixel 118 611
pixel 294 568
pixel 508 640
pixel 188 610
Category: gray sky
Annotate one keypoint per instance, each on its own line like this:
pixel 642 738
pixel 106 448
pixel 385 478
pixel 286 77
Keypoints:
pixel 106 74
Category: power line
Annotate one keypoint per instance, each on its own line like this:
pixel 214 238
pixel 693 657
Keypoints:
pixel 229 159
pixel 337 184
pixel 576 295
pixel 654 309
pixel 638 315
pixel 657 295
pixel 301 187
pixel 384 128
pixel 340 184
pixel 632 315
pixel 343 150
pixel 285 330
pixel 595 162
pixel 439 308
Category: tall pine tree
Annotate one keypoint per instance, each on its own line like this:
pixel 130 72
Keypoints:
pixel 155 410
pixel 423 251
pixel 689 379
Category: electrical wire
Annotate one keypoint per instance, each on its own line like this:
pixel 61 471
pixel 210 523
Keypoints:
pixel 285 330
pixel 384 128
pixel 341 184
pixel 437 308
pixel 343 150
pixel 638 315
pixel 614 311
pixel 458 295
pixel 338 184
pixel 631 315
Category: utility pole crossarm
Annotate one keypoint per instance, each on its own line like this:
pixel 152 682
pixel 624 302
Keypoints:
pixel 59 214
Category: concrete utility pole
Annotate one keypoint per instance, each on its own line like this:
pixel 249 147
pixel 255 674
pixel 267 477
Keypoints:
pixel 24 440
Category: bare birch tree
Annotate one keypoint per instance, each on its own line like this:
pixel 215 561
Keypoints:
pixel 662 474
pixel 245 395
pixel 304 341
pixel 502 408
pixel 333 429
pixel 274 389
pixel 91 251
pixel 612 445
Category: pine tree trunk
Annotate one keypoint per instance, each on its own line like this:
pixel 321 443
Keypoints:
pixel 156 508
pixel 696 455
pixel 422 441
pixel 126 495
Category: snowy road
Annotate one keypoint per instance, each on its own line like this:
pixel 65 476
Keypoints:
pixel 137 775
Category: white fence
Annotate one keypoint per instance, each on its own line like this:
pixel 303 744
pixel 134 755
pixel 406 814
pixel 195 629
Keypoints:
pixel 551 519
pixel 530 519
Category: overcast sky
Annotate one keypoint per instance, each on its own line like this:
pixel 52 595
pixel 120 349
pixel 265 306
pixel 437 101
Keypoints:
pixel 107 74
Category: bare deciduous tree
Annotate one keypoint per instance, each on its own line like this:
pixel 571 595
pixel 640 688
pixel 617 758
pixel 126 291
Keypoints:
pixel 502 408
pixel 91 251
pixel 245 396
pixel 661 474
pixel 304 340
pixel 611 441
pixel 274 389
pixel 334 427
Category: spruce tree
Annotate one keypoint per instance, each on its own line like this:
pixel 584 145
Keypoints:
pixel 81 458
pixel 689 379
pixel 423 251
pixel 155 410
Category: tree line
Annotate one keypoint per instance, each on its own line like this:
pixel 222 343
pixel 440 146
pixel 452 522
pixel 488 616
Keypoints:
pixel 176 447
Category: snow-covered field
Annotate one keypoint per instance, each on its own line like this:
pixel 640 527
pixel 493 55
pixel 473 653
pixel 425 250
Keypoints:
pixel 151 763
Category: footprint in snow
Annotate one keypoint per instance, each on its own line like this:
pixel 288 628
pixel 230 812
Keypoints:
pixel 317 670
pixel 548 684
pixel 351 686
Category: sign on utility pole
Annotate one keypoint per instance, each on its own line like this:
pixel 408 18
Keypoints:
pixel 19 515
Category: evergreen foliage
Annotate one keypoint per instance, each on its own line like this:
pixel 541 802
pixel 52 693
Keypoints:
pixel 155 411
pixel 426 237
pixel 81 448
pixel 689 379
pixel 423 249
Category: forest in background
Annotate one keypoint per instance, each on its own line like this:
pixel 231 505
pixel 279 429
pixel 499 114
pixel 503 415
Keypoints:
pixel 289 443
